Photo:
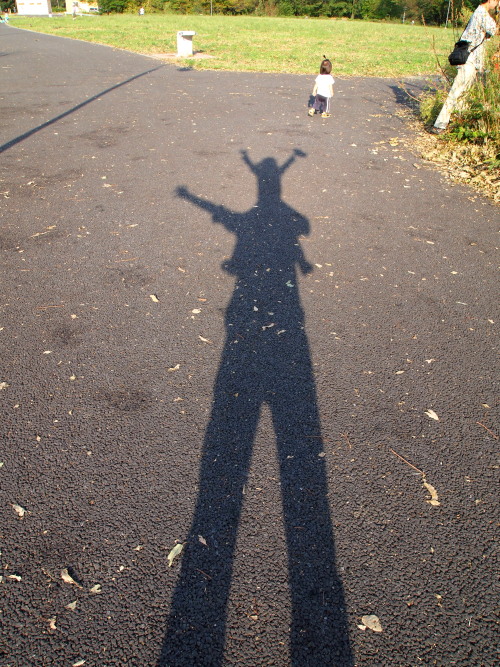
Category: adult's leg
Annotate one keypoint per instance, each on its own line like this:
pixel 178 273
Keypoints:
pixel 466 75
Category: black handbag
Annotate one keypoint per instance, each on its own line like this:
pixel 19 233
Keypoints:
pixel 461 52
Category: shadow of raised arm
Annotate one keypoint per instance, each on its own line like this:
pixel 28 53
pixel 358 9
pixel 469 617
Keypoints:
pixel 219 213
pixel 256 167
pixel 296 153
pixel 251 165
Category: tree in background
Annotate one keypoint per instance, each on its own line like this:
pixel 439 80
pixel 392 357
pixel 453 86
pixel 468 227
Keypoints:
pixel 339 8
pixel 8 5
pixel 267 8
pixel 112 6
pixel 423 11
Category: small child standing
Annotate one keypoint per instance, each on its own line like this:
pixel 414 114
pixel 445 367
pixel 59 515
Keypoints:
pixel 323 90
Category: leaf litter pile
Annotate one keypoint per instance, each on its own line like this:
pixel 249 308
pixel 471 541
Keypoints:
pixel 460 163
pixel 464 164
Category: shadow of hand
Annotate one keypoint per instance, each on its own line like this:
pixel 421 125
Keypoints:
pixel 181 191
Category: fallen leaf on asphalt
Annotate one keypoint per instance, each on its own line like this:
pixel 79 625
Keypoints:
pixel 78 664
pixel 174 368
pixel 52 623
pixel 174 553
pixel 71 606
pixel 372 622
pixel 202 540
pixel 205 340
pixel 68 579
pixel 96 589
pixel 3 385
pixel 154 298
pixel 434 496
pixel 15 577
pixel 20 511
pixel 431 414
pixel 196 311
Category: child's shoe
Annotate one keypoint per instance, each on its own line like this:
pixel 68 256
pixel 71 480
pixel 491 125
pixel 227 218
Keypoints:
pixel 325 115
pixel 311 112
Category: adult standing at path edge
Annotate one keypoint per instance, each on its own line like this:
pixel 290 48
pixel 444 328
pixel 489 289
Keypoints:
pixel 481 27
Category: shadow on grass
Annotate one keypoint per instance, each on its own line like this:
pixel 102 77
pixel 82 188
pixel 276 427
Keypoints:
pixel 409 93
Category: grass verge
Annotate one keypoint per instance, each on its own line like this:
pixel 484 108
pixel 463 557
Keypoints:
pixel 263 44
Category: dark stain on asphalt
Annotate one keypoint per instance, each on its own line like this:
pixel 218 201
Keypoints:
pixel 105 137
pixel 67 335
pixel 210 154
pixel 9 241
pixel 129 277
pixel 265 361
pixel 128 400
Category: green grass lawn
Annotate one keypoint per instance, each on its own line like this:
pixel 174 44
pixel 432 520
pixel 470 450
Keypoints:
pixel 295 45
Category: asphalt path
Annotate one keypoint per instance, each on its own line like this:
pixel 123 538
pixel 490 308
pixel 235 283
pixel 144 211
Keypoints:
pixel 264 336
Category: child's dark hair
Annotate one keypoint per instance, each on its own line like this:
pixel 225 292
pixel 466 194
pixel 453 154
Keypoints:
pixel 326 66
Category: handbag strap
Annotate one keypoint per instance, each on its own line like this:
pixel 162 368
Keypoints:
pixel 477 45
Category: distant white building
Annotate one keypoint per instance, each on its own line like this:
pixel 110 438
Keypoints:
pixel 34 7
pixel 83 7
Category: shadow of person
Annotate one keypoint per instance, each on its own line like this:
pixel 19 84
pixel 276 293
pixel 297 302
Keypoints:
pixel 266 360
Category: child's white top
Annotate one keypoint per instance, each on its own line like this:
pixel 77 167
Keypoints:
pixel 323 83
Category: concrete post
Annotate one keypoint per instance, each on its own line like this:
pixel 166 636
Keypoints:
pixel 185 43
